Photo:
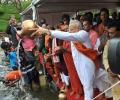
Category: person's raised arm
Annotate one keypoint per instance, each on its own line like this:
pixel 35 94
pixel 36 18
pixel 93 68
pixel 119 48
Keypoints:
pixel 78 36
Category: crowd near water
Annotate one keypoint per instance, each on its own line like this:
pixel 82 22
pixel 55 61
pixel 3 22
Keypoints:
pixel 73 57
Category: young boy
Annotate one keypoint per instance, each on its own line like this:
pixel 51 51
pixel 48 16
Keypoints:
pixel 10 52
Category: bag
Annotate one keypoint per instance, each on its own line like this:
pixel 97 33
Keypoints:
pixel 114 55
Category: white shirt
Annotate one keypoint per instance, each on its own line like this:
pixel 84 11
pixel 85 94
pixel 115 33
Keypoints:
pixel 81 36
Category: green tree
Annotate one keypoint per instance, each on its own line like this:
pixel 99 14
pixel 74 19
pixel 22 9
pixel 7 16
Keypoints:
pixel 18 5
pixel 8 8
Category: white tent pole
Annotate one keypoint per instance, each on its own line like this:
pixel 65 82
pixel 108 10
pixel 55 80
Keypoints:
pixel 34 13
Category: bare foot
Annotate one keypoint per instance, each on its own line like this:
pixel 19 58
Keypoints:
pixel 66 88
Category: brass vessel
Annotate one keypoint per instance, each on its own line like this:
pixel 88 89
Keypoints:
pixel 62 95
pixel 28 27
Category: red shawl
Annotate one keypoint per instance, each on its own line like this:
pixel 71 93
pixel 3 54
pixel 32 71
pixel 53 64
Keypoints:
pixel 90 53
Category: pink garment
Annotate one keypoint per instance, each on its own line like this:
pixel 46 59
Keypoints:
pixel 28 43
pixel 41 58
pixel 93 37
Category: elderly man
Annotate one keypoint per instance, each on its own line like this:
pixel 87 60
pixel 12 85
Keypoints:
pixel 82 54
pixel 75 83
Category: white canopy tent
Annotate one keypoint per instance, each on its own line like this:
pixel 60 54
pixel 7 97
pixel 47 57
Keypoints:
pixel 52 10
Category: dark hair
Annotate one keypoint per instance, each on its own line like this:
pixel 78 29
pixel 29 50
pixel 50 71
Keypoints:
pixel 97 18
pixel 66 17
pixel 42 21
pixel 61 22
pixel 107 22
pixel 96 15
pixel 88 20
pixel 104 10
pixel 6 46
pixel 114 15
pixel 77 17
pixel 114 23
pixel 88 15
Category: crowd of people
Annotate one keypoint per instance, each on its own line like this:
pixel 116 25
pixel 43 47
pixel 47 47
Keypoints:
pixel 74 53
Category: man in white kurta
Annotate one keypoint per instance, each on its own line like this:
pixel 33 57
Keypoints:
pixel 85 67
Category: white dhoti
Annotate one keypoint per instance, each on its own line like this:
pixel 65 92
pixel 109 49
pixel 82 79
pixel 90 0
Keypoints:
pixel 85 68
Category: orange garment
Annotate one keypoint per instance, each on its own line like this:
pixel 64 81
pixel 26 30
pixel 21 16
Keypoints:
pixel 90 53
pixel 100 29
pixel 54 72
pixel 53 68
pixel 74 79
pixel 47 37
pixel 13 75
pixel 50 67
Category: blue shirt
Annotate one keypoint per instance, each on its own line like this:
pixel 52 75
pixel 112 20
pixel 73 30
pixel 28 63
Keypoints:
pixel 13 59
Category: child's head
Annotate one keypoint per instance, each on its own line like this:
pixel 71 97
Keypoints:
pixel 5 46
pixel 12 48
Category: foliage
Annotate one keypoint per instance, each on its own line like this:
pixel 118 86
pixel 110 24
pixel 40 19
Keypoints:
pixel 6 11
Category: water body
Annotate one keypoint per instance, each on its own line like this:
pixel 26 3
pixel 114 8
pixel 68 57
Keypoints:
pixel 15 93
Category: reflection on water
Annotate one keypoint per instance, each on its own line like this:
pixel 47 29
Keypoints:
pixel 45 94
pixel 15 93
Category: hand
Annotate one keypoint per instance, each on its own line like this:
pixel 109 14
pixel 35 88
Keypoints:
pixel 111 73
pixel 37 53
pixel 102 45
pixel 47 56
pixel 39 31
pixel 58 50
